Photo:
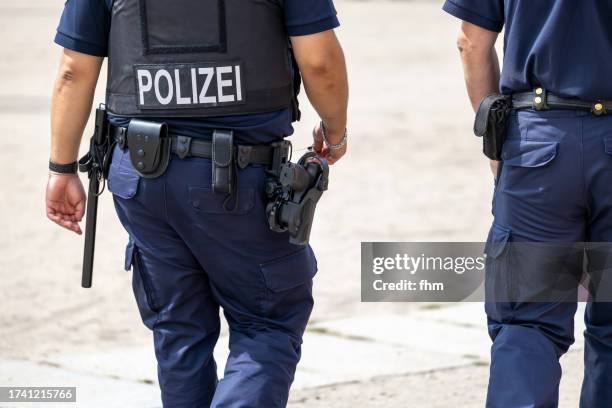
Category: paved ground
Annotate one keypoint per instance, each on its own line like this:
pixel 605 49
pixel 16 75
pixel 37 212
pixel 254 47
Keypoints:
pixel 414 173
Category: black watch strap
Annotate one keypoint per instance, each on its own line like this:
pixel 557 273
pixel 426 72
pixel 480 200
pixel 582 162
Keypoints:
pixel 70 168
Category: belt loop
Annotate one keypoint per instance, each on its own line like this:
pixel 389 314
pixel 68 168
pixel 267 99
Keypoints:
pixel 243 158
pixel 540 99
pixel 183 146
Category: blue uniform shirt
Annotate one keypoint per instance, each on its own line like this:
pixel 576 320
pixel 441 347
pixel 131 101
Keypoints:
pixel 85 26
pixel 563 45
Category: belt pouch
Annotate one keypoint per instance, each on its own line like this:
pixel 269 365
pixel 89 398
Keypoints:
pixel 490 123
pixel 149 147
pixel 222 161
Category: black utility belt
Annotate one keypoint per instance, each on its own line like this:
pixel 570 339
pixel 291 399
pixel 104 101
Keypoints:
pixel 540 99
pixel 150 146
pixel 490 123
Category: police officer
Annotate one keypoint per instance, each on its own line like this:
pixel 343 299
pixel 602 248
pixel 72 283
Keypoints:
pixel 196 69
pixel 554 181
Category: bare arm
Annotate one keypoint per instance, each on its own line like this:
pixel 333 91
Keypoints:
pixel 480 65
pixel 71 104
pixel 321 62
pixel 480 61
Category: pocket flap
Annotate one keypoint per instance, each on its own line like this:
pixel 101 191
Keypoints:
pixel 122 179
pixel 290 271
pixel 497 241
pixel 528 153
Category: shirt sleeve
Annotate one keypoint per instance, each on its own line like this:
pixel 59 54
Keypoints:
pixel 488 14
pixel 309 17
pixel 84 27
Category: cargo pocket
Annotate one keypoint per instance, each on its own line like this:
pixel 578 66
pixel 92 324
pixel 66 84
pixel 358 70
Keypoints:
pixel 288 283
pixel 141 285
pixel 527 168
pixel 123 180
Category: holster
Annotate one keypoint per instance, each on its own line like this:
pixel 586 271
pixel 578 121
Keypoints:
pixel 490 123
pixel 223 162
pixel 149 147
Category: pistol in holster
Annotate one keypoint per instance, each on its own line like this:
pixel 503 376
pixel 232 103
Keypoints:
pixel 490 123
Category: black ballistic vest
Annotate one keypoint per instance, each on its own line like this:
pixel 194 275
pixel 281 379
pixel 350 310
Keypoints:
pixel 198 58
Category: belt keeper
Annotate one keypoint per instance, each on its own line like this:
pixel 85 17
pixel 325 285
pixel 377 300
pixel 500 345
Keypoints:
pixel 243 158
pixel 540 99
pixel 599 108
pixel 183 146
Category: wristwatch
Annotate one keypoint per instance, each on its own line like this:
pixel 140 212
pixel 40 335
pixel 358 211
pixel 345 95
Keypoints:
pixel 336 146
pixel 70 168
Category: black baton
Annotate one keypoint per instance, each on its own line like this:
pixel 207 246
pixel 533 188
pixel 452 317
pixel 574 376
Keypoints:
pixel 95 163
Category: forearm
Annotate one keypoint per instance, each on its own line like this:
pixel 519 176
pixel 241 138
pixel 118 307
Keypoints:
pixel 325 81
pixel 71 104
pixel 328 94
pixel 481 69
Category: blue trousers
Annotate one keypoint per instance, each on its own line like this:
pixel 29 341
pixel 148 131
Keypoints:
pixel 190 256
pixel 553 185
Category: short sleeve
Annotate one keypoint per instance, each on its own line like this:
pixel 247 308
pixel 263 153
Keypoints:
pixel 84 26
pixel 488 14
pixel 309 17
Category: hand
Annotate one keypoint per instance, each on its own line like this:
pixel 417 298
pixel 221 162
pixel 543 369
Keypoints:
pixel 323 150
pixel 66 201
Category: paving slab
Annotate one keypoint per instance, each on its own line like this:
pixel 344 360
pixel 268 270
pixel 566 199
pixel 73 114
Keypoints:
pixel 93 391
pixel 429 337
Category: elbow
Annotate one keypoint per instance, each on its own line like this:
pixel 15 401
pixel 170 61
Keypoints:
pixel 328 63
pixel 66 77
pixel 464 44
pixel 467 46
pixel 319 68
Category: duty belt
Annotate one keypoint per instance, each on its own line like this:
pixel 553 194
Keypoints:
pixel 540 99
pixel 184 146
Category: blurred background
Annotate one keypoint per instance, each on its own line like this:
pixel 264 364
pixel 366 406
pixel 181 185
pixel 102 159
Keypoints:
pixel 414 172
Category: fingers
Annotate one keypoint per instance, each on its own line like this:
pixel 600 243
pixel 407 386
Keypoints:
pixel 333 156
pixel 65 223
pixel 318 141
pixel 63 217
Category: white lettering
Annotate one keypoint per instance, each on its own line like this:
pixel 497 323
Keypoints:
pixel 142 86
pixel 238 83
pixel 177 81
pixel 224 83
pixel 165 74
pixel 194 85
pixel 209 72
